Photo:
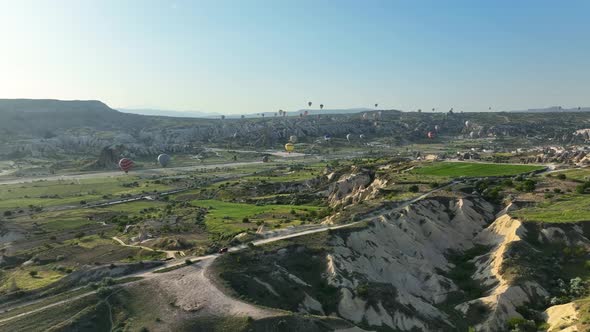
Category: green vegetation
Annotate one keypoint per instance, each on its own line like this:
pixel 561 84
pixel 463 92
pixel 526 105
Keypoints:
pixel 28 278
pixel 457 169
pixel 577 174
pixel 226 217
pixel 565 209
pixel 42 194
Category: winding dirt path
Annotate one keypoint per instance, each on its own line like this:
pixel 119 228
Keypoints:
pixel 169 253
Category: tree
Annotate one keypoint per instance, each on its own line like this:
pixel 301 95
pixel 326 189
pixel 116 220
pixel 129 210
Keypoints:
pixel 528 185
pixel 413 188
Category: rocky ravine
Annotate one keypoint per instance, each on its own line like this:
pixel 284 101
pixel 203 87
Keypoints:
pixel 405 253
pixel 397 272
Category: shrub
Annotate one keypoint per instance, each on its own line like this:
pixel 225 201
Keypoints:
pixel 521 325
pixel 245 220
pixel 362 290
pixel 507 183
pixel 582 188
pixel 527 186
pixel 33 273
pixel 413 188
pixel 561 176
pixel 188 261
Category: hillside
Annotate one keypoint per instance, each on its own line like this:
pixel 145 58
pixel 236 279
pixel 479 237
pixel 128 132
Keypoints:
pixel 50 128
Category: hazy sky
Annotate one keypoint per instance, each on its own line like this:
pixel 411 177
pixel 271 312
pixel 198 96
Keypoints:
pixel 255 55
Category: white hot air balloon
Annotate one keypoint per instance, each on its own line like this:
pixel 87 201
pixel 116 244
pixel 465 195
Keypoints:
pixel 348 137
pixel 164 159
pixel 293 139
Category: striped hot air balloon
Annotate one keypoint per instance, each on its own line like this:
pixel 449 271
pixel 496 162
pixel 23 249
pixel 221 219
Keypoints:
pixel 125 164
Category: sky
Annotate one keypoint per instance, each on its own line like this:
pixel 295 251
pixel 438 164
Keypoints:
pixel 247 56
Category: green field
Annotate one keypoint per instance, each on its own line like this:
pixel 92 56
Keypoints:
pixel 65 192
pixel 566 209
pixel 226 217
pixel 456 169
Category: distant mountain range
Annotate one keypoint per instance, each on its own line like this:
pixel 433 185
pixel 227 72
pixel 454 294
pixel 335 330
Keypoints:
pixel 170 113
pixel 52 105
pixel 198 114
pixel 555 109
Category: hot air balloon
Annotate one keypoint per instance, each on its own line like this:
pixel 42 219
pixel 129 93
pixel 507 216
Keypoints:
pixel 242 116
pixel 362 136
pixel 376 105
pixel 265 159
pixel 364 116
pixel 125 164
pixel 306 113
pixel 223 117
pixel 436 128
pixel 164 159
pixel 467 123
pixel 327 137
pixel 289 147
pixel 293 139
pixel 321 106
pixel 430 135
pixel 309 103
pixel 348 137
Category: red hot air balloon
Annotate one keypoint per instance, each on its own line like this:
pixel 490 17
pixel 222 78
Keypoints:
pixel 430 135
pixel 125 164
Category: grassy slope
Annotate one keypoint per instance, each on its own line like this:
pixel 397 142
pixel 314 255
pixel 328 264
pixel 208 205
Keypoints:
pixel 569 208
